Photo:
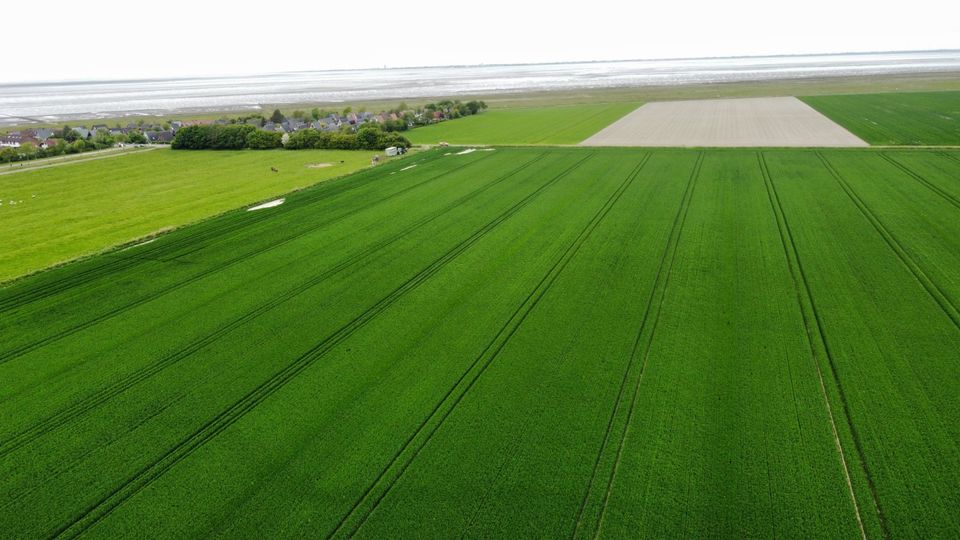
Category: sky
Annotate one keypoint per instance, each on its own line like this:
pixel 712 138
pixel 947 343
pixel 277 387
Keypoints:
pixel 110 39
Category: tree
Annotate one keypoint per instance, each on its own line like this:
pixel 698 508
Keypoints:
pixel 8 155
pixel 315 113
pixel 28 149
pixel 135 137
pixel 368 136
pixel 69 135
pixel 347 110
pixel 298 114
pixel 103 139
pixel 277 116
pixel 264 140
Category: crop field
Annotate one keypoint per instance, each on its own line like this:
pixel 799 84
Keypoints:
pixel 536 125
pixel 520 342
pixel 906 118
pixel 73 209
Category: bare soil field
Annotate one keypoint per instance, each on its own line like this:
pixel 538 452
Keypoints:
pixel 769 121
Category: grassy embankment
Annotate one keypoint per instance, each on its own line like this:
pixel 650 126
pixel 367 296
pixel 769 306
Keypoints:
pixel 75 209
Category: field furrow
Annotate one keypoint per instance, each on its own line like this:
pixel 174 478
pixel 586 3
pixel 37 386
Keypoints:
pixel 731 435
pixel 893 347
pixel 510 342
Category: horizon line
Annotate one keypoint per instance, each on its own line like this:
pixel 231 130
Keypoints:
pixel 455 66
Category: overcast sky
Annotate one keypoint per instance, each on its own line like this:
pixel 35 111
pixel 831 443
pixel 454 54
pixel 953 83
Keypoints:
pixel 112 39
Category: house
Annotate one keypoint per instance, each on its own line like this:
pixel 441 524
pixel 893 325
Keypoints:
pixel 48 143
pixel 83 132
pixel 159 137
pixel 99 127
pixel 352 119
pixel 269 126
pixel 187 123
pixel 9 142
pixel 116 132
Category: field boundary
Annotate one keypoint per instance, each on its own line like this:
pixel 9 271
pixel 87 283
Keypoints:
pixel 916 176
pixel 808 313
pixel 651 313
pixel 941 298
pixel 96 512
pixel 61 162
pixel 11 354
pixel 337 185
pixel 486 357
pixel 92 401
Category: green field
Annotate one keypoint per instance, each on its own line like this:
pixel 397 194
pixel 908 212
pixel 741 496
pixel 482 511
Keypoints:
pixel 526 342
pixel 74 209
pixel 917 118
pixel 537 125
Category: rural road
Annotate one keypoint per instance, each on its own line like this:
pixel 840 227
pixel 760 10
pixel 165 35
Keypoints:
pixel 64 160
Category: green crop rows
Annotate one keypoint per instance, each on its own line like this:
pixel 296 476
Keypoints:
pixel 569 124
pixel 526 342
pixel 75 209
pixel 910 118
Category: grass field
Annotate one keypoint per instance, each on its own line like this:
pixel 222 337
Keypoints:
pixel 70 210
pixel 548 342
pixel 918 118
pixel 538 125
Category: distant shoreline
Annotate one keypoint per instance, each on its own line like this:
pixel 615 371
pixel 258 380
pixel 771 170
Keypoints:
pixel 66 82
pixel 778 79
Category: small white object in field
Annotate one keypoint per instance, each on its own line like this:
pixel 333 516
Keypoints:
pixel 408 167
pixel 467 151
pixel 270 204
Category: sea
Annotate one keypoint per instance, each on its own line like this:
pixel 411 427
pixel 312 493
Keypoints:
pixel 50 102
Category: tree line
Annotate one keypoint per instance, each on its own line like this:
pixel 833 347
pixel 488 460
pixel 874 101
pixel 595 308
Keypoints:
pixel 369 136
pixel 69 142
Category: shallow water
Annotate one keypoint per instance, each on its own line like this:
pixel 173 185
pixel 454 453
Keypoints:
pixel 50 102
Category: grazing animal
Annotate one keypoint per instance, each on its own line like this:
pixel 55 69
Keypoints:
pixel 274 169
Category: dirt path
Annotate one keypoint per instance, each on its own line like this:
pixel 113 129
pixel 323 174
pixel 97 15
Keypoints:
pixel 47 163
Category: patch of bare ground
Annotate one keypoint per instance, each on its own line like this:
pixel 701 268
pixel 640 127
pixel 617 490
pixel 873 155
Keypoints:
pixel 770 121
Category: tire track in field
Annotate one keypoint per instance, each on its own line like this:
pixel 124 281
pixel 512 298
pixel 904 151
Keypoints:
pixel 16 352
pixel 328 189
pixel 96 512
pixel 916 176
pixel 651 318
pixel 949 156
pixel 810 320
pixel 570 127
pixel 935 292
pixel 455 394
pixel 92 401
pixel 324 190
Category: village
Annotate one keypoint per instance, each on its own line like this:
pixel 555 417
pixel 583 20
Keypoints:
pixel 31 143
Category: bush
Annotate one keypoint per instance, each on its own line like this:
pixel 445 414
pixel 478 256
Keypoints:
pixel 215 137
pixel 264 140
